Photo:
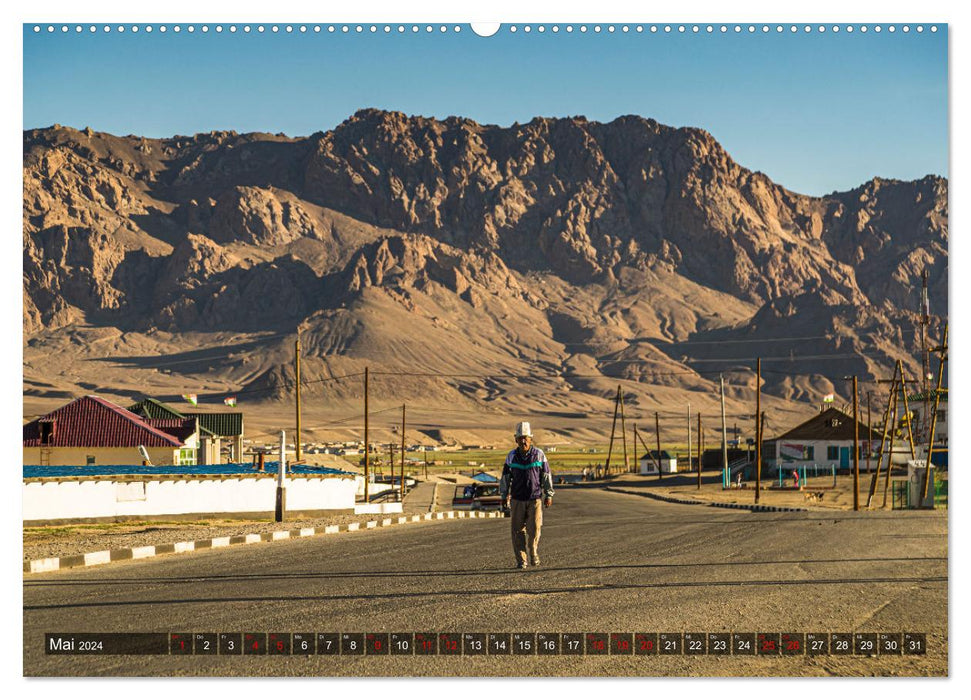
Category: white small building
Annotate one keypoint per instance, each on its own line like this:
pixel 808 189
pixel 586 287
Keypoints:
pixel 825 440
pixel 649 462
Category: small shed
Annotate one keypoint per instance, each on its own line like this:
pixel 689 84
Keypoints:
pixel 649 461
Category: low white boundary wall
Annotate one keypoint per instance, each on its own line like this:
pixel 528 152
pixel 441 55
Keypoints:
pixel 110 497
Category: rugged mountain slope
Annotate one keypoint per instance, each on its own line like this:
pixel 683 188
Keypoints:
pixel 568 250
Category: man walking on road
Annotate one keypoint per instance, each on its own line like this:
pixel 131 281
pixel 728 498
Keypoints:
pixel 526 486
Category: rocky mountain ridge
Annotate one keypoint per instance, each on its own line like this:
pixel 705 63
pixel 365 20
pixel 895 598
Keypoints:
pixel 560 246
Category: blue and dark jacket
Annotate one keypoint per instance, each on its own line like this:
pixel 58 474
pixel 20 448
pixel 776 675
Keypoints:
pixel 526 477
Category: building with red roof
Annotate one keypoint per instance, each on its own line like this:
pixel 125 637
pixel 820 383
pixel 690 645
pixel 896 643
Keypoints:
pixel 91 430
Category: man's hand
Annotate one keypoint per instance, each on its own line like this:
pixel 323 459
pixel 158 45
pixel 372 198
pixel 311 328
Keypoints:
pixel 548 502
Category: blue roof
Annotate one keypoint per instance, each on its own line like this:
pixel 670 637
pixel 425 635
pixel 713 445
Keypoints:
pixel 482 476
pixel 34 471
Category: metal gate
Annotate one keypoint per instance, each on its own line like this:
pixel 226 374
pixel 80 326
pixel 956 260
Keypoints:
pixel 901 495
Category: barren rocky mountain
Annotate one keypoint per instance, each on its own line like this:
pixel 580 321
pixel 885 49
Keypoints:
pixel 489 269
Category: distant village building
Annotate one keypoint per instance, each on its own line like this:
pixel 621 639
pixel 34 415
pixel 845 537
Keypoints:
pixel 183 426
pixel 91 430
pixel 226 426
pixel 648 463
pixel 824 440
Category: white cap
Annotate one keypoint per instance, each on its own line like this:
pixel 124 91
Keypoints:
pixel 522 430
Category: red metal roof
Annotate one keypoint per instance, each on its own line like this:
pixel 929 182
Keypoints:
pixel 93 422
pixel 179 428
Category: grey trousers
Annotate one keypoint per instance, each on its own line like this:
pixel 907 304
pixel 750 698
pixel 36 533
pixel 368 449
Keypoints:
pixel 527 521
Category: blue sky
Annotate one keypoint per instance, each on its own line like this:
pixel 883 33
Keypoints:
pixel 816 112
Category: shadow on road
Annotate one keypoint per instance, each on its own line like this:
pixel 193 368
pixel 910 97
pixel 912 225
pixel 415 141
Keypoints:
pixel 545 591
pixel 454 572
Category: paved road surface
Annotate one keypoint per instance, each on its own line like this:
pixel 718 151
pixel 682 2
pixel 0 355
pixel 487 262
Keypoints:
pixel 612 563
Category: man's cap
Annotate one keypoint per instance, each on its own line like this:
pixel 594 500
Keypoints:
pixel 522 430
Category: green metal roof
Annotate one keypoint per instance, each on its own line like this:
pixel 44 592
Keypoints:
pixel 222 424
pixel 150 408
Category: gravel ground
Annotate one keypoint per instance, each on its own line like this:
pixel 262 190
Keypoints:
pixel 66 540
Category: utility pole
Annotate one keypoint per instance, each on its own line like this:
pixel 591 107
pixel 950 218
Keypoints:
pixel 699 450
pixel 721 381
pixel 367 444
pixel 856 451
pixel 623 432
pixel 758 427
pixel 910 432
pixel 402 493
pixel 893 434
pixel 689 436
pixel 925 318
pixel 869 432
pixel 613 428
pixel 883 440
pixel 635 446
pixel 297 373
pixel 657 433
pixel 937 402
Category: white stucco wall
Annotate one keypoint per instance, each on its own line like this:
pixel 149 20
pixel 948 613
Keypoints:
pixel 668 466
pixel 58 500
pixel 819 454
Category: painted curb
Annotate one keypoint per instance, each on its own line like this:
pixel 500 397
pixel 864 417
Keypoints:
pixel 37 566
pixel 689 502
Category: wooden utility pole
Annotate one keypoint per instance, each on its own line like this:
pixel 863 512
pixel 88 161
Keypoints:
pixel 869 432
pixel 367 444
pixel 856 451
pixel 925 319
pixel 635 448
pixel 657 434
pixel 623 432
pixel 700 450
pixel 689 436
pixel 391 462
pixel 613 428
pixel 296 441
pixel 402 492
pixel 893 434
pixel 933 418
pixel 721 381
pixel 758 427
pixel 883 440
pixel 903 391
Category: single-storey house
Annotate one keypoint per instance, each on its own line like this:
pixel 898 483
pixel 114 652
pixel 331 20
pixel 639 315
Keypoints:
pixel 824 440
pixel 91 430
pixel 669 463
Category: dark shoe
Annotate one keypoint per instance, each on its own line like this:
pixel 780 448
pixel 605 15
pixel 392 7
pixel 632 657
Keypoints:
pixel 536 561
pixel 521 565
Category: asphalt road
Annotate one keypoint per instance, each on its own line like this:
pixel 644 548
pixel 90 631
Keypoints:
pixel 611 563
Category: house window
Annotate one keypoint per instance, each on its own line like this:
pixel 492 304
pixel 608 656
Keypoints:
pixel 832 452
pixel 187 457
pixel 941 416
pixel 810 452
pixel 46 432
pixel 89 460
